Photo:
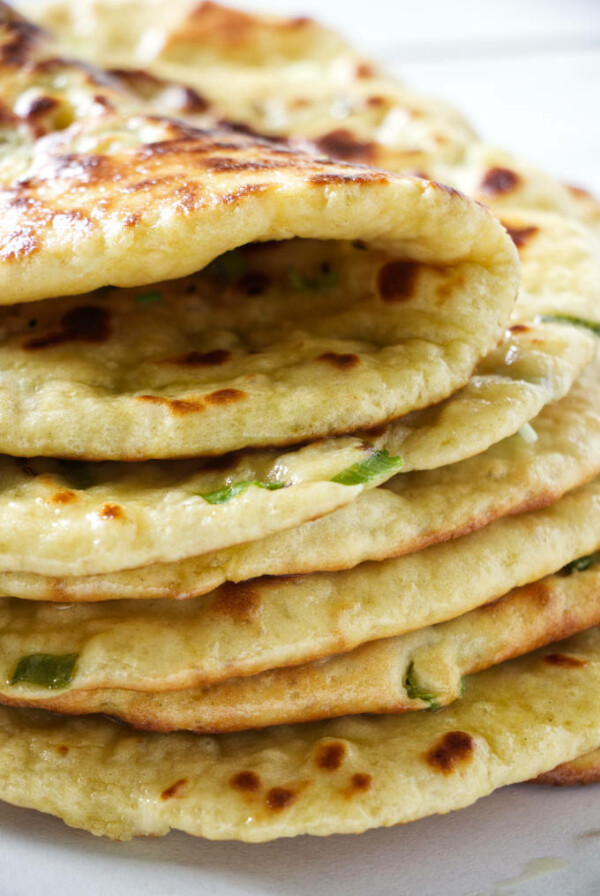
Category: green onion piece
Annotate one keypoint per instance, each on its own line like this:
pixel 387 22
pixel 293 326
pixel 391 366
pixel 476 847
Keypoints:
pixel 222 495
pixel 45 669
pixel 301 283
pixel 378 464
pixel 149 298
pixel 229 266
pixel 581 563
pixel 416 692
pixel 78 473
pixel 571 319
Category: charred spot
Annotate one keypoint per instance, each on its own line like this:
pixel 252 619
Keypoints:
pixel 21 37
pixel 224 396
pixel 174 789
pixel 253 284
pixel 201 359
pixel 364 70
pixel 521 235
pixel 85 323
pixel 247 190
pixel 376 101
pixel 499 180
pixel 64 497
pixel 342 144
pixel 279 798
pixel 62 749
pixel 194 102
pixel 40 105
pixel 564 661
pixel 367 177
pixel 241 602
pixel 330 756
pixel 131 219
pixel 112 512
pixel 21 242
pixel 361 781
pixel 177 406
pixel 396 280
pixel 520 328
pixel 453 748
pixel 246 781
pixel 227 163
pixel 342 362
pixel 445 188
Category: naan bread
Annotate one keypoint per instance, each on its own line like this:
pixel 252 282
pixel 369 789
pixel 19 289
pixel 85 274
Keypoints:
pixel 583 770
pixel 97 192
pixel 412 511
pixel 244 629
pixel 420 670
pixel 344 776
pixel 293 78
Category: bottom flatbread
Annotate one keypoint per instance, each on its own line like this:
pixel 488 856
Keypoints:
pixel 583 770
pixel 515 721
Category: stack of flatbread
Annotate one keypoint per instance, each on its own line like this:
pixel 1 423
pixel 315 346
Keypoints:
pixel 298 462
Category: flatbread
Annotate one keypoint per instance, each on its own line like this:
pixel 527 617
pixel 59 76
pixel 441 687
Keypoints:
pixel 96 192
pixel 420 670
pixel 583 770
pixel 514 722
pixel 293 78
pixel 244 629
pixel 412 511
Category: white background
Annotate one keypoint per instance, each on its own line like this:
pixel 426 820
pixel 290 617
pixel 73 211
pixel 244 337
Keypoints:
pixel 527 72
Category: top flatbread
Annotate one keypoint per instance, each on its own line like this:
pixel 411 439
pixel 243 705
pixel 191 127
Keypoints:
pixel 95 193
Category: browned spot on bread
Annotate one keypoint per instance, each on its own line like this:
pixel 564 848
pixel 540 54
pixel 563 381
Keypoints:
pixel 342 144
pixel 241 602
pixel 364 70
pixel 521 235
pixel 253 284
pixel 247 781
pixel 396 280
pixel 571 774
pixel 453 748
pixel 361 781
pixel 112 512
pixel 174 789
pixel 376 101
pixel 39 106
pixel 499 180
pixel 330 756
pixel 452 191
pixel 217 24
pixel 201 359
pixel 520 328
pixel 20 38
pixel 194 102
pixel 177 406
pixel 64 497
pixel 132 218
pixel 368 177
pixel 85 323
pixel 62 749
pixel 279 798
pixel 342 362
pixel 247 190
pixel 224 396
pixel 564 661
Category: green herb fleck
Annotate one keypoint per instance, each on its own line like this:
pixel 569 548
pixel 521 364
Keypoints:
pixel 301 283
pixel 378 464
pixel 571 319
pixel 416 692
pixel 222 495
pixel 463 685
pixel 228 267
pixel 45 669
pixel 149 298
pixel 581 563
pixel 78 473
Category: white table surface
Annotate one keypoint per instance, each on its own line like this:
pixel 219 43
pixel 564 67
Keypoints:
pixel 527 72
